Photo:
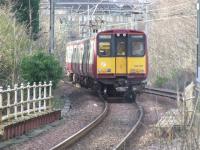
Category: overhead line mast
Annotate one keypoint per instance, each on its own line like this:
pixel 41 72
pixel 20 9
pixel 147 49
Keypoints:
pixel 51 30
pixel 198 42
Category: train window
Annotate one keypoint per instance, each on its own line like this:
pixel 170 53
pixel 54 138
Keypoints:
pixel 104 49
pixel 121 47
pixel 137 45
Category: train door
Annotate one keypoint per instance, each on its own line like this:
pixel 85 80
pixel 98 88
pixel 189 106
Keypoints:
pixel 121 54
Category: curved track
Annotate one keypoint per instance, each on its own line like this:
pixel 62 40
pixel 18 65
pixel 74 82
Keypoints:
pixel 103 123
pixel 123 142
pixel 72 139
pixel 112 130
pixel 100 127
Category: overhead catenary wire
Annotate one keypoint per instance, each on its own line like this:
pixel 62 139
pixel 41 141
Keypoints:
pixel 151 20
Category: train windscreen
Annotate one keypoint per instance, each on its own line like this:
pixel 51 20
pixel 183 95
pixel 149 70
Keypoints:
pixel 137 45
pixel 104 45
pixel 121 45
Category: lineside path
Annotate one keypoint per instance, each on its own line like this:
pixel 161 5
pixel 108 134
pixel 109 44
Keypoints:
pixel 119 121
pixel 83 108
pixel 154 108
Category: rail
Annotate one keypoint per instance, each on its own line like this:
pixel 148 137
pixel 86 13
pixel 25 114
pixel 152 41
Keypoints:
pixel 154 91
pixel 24 101
pixel 122 144
pixel 72 139
pixel 163 92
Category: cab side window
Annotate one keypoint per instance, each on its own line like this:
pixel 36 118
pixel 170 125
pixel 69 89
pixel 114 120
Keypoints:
pixel 137 45
pixel 104 49
pixel 104 45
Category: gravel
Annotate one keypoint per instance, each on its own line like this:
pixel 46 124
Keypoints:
pixel 121 118
pixel 154 108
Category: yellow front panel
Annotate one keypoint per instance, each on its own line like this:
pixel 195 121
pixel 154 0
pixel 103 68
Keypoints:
pixel 137 65
pixel 121 67
pixel 105 65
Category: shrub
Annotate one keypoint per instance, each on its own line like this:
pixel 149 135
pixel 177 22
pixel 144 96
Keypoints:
pixel 160 81
pixel 41 67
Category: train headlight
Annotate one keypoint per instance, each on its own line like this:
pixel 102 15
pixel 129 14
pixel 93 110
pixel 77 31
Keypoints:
pixel 99 70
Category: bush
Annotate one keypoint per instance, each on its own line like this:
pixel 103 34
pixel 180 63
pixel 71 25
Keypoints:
pixel 160 81
pixel 41 67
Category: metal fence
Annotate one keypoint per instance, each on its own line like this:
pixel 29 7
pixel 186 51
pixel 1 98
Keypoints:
pixel 22 101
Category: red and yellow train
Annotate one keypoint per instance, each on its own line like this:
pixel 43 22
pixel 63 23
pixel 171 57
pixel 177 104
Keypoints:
pixel 111 59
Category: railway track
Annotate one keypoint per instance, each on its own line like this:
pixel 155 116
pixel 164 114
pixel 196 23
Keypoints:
pixel 122 144
pixel 72 139
pixel 162 92
pixel 77 136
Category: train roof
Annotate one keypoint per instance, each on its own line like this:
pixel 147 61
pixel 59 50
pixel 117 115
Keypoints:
pixel 112 31
pixel 121 31
pixel 81 40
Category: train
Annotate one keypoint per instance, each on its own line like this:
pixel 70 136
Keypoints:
pixel 109 61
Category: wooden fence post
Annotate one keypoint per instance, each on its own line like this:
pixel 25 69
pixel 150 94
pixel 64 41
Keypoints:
pixel 22 99
pixel 50 95
pixel 45 95
pixel 34 96
pixel 8 103
pixel 40 96
pixel 15 102
pixel 28 97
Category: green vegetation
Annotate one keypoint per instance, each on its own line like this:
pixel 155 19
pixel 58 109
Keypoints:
pixel 2 2
pixel 14 45
pixel 26 10
pixel 41 67
pixel 160 81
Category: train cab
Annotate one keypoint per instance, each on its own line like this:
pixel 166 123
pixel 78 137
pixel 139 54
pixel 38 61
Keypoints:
pixel 121 57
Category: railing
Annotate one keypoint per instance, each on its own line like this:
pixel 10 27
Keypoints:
pixel 24 101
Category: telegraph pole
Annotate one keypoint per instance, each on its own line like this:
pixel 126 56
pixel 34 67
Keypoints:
pixel 146 17
pixel 51 30
pixel 198 42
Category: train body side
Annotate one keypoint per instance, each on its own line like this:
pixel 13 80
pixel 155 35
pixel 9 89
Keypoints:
pixel 80 58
